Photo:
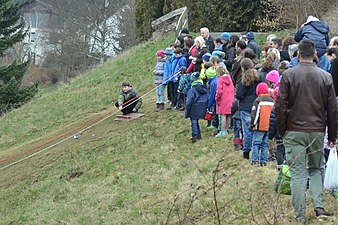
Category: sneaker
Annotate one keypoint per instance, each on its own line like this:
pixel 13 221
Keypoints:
pixel 322 214
pixel 255 163
pixel 222 133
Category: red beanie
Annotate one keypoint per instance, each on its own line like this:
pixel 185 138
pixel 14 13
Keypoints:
pixel 262 88
pixel 160 53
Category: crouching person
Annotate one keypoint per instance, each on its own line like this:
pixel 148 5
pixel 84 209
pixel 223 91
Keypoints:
pixel 196 105
pixel 128 100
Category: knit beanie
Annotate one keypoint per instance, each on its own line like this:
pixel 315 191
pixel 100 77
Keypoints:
pixel 219 54
pixel 206 57
pixel 272 76
pixel 168 51
pixel 225 36
pixel 194 76
pixel 275 93
pixel 262 88
pixel 211 72
pixel 160 53
pixel 250 36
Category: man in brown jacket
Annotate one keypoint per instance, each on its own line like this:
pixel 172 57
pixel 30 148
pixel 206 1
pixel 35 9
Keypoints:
pixel 306 104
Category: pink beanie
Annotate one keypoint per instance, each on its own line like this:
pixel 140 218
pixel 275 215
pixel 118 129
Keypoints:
pixel 160 53
pixel 273 76
pixel 262 88
pixel 275 93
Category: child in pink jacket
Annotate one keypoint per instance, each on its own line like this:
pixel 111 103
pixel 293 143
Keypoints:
pixel 225 95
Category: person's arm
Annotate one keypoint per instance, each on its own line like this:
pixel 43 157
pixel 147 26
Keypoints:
pixel 241 90
pixel 190 99
pixel 331 115
pixel 120 100
pixel 231 57
pixel 272 125
pixel 299 35
pixel 219 90
pixel 282 106
pixel 212 95
pixel 253 113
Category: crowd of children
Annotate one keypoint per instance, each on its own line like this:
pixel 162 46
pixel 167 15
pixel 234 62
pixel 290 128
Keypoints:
pixel 241 82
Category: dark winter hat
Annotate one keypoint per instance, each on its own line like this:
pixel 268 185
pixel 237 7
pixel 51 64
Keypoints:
pixel 206 57
pixel 168 51
pixel 160 53
pixel 225 36
pixel 185 31
pixel 250 36
pixel 195 76
pixel 262 88
pixel 178 50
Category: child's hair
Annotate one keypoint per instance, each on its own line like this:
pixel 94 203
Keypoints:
pixel 126 84
pixel 218 40
pixel 277 41
pixel 247 64
pixel 207 65
pixel 214 60
pixel 268 64
pixel 284 65
pixel 289 40
pixel 249 77
pixel 220 71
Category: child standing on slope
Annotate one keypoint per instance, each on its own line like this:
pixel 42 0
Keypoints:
pixel 196 106
pixel 225 94
pixel 158 79
pixel 260 121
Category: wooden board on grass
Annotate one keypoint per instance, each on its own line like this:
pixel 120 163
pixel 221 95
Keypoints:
pixel 129 117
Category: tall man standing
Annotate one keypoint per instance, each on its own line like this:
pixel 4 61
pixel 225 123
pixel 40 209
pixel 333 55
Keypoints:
pixel 306 104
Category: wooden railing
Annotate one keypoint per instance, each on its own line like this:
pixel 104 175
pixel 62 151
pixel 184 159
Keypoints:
pixel 181 23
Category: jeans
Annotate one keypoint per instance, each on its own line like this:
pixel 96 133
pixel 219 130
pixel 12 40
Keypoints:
pixel 280 155
pixel 260 145
pixel 305 158
pixel 247 133
pixel 160 94
pixel 195 128
pixel 172 92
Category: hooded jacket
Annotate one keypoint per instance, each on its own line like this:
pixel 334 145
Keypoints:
pixel 316 31
pixel 197 101
pixel 225 95
pixel 126 96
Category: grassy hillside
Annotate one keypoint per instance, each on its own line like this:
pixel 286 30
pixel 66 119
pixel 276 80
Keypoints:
pixel 141 172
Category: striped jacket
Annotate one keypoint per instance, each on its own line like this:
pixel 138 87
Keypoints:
pixel 260 112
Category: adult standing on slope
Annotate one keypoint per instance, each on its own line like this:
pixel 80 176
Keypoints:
pixel 209 41
pixel 302 115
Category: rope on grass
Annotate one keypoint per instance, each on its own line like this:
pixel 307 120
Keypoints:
pixel 66 136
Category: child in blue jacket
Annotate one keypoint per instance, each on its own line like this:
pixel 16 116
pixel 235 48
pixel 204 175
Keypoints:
pixel 196 106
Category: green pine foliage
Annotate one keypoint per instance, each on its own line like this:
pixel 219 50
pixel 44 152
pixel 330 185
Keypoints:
pixel 12 31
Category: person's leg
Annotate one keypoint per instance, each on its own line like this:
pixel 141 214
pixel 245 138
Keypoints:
pixel 198 129
pixel 194 130
pixel 256 144
pixel 264 148
pixel 174 93
pixel 237 137
pixel 280 151
pixel 315 162
pixel 129 106
pixel 295 148
pixel 247 133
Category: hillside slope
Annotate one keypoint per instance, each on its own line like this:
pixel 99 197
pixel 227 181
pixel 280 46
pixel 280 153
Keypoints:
pixel 141 172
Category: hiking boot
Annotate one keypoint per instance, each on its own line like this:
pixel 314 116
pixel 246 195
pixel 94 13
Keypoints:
pixel 193 139
pixel 222 133
pixel 255 163
pixel 246 155
pixel 322 214
pixel 199 137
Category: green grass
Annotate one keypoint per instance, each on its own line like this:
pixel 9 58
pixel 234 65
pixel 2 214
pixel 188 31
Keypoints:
pixel 144 171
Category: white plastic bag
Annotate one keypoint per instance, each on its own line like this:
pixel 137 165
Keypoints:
pixel 331 173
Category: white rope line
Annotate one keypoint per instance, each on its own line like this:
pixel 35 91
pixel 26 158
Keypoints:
pixel 71 136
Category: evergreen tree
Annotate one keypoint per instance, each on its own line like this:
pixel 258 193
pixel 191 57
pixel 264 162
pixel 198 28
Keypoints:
pixel 12 31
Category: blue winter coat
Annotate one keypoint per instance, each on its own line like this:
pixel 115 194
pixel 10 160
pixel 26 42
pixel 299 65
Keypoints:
pixel 316 31
pixel 213 88
pixel 167 69
pixel 178 64
pixel 197 102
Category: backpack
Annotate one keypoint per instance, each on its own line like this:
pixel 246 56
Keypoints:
pixel 283 182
